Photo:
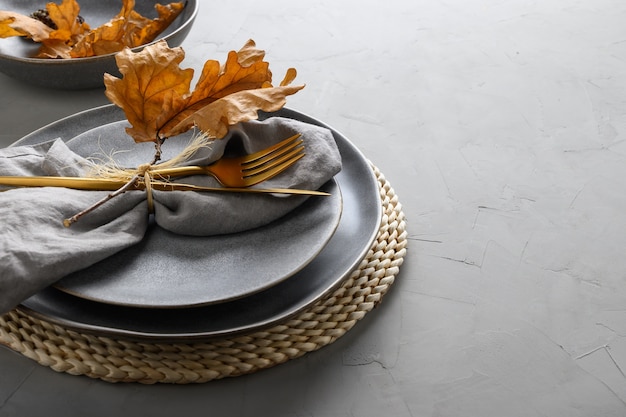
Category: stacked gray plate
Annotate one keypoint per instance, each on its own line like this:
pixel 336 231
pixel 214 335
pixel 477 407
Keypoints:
pixel 173 288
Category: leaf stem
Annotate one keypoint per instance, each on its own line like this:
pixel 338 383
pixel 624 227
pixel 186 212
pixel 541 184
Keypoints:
pixel 157 150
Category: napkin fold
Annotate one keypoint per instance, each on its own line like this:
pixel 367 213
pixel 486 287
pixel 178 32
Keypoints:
pixel 36 250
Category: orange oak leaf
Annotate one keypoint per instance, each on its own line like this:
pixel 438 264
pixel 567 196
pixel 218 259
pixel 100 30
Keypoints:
pixel 54 48
pixel 218 81
pixel 15 24
pixel 70 26
pixel 249 54
pixel 149 29
pixel 153 87
pixel 127 29
pixel 223 96
pixel 73 38
pixel 216 117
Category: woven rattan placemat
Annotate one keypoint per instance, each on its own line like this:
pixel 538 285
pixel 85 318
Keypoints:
pixel 118 360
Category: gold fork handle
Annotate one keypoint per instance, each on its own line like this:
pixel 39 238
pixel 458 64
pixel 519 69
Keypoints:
pixel 181 171
pixel 77 183
pixel 97 184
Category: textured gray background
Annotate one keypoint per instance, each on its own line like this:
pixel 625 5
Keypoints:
pixel 501 126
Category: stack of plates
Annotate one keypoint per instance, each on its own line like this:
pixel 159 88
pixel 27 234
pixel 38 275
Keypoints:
pixel 181 288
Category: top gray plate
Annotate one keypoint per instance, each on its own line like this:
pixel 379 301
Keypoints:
pixel 353 238
pixel 216 268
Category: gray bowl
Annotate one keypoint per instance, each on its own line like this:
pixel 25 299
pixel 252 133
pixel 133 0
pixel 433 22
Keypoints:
pixel 16 54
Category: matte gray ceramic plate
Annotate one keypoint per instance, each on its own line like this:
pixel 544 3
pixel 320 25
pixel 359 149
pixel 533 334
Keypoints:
pixel 216 268
pixel 16 54
pixel 355 234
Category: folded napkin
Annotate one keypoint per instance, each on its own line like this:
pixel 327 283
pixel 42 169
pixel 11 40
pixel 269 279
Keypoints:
pixel 36 250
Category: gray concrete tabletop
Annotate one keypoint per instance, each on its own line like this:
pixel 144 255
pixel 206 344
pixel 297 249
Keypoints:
pixel 501 125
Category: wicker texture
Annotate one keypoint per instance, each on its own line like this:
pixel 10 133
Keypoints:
pixel 119 360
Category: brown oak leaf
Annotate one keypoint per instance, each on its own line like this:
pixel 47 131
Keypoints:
pixel 152 88
pixel 15 24
pixel 156 98
pixel 73 38
pixel 242 106
pixel 127 29
pixel 70 27
pixel 54 48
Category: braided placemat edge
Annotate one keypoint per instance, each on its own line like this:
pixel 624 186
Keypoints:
pixel 119 360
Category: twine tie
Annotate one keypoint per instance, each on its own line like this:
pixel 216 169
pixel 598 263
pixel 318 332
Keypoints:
pixel 144 171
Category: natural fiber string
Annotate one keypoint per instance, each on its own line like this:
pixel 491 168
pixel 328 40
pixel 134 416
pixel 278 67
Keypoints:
pixel 110 170
pixel 144 171
pixel 120 360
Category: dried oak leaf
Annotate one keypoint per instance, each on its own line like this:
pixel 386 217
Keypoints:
pixel 127 29
pixel 146 30
pixel 73 38
pixel 15 24
pixel 54 48
pixel 70 27
pixel 154 91
pixel 153 86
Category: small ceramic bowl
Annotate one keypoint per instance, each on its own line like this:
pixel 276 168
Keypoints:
pixel 16 54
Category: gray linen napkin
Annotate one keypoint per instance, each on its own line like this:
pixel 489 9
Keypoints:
pixel 36 250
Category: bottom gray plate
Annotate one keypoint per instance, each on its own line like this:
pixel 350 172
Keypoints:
pixel 353 237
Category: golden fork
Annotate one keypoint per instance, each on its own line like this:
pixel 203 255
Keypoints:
pixel 244 171
pixel 99 184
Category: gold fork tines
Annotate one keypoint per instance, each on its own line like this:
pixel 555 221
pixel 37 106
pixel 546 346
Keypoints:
pixel 247 170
